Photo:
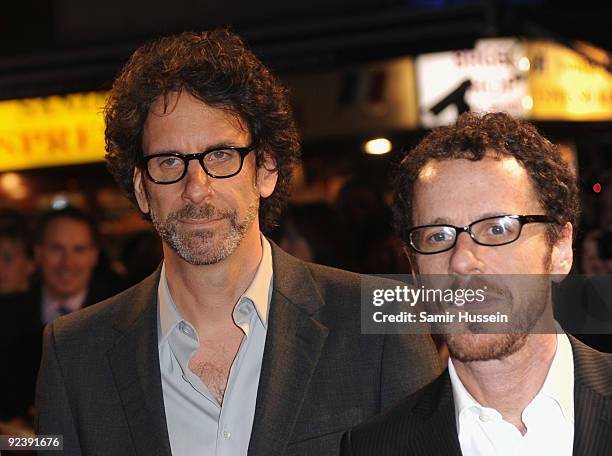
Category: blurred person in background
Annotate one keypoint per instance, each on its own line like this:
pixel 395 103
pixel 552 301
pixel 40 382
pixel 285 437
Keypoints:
pixel 232 346
pixel 18 342
pixel 364 231
pixel 307 232
pixel 16 262
pixel 585 299
pixel 590 259
pixel 140 256
pixel 67 251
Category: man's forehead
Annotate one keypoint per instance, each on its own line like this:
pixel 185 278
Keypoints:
pixel 461 190
pixel 433 169
pixel 68 228
pixel 179 117
pixel 168 103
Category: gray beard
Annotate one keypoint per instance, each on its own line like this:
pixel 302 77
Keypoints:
pixel 204 246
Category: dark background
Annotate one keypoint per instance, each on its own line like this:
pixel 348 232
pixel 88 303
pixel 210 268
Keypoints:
pixel 57 46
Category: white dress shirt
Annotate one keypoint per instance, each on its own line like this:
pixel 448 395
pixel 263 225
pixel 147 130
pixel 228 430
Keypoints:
pixel 197 423
pixel 549 417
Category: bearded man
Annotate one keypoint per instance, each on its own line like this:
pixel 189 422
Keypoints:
pixel 489 201
pixel 232 346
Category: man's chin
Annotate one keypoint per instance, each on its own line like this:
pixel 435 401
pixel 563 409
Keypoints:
pixel 203 247
pixel 484 347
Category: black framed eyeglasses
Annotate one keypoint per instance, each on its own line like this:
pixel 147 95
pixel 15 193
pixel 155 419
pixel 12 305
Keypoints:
pixel 489 231
pixel 171 167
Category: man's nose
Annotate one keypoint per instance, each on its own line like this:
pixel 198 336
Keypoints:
pixel 69 259
pixel 197 183
pixel 464 257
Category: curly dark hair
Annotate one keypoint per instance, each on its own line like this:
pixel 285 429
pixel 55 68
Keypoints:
pixel 471 138
pixel 216 68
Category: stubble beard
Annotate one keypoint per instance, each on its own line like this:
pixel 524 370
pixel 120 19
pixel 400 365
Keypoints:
pixel 204 246
pixel 484 347
pixel 476 345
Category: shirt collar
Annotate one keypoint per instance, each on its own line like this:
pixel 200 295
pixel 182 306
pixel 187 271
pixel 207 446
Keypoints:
pixel 260 289
pixel 462 398
pixel 72 303
pixel 558 385
pixel 258 292
pixel 168 314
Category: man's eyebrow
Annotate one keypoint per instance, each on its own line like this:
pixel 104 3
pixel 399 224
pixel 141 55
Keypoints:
pixel 498 214
pixel 163 151
pixel 215 146
pixel 221 145
pixel 440 221
pixel 446 221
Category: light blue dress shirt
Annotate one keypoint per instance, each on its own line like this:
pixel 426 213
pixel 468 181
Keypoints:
pixel 197 423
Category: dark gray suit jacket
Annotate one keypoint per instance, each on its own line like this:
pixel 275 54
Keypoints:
pixel 99 384
pixel 424 424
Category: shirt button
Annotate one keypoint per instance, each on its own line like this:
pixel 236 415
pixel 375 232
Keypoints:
pixel 485 418
pixel 226 435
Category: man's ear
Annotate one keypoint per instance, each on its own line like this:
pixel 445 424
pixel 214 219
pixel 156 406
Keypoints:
pixel 562 255
pixel 267 176
pixel 139 191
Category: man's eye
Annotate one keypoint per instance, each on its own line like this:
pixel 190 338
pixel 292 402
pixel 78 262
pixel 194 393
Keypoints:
pixel 170 162
pixel 440 236
pixel 499 229
pixel 218 155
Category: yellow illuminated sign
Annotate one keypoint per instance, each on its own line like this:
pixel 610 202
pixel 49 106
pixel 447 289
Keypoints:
pixel 52 131
pixel 564 85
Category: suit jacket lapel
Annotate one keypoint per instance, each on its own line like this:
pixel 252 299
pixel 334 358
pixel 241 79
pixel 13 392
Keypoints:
pixel 293 346
pixel 134 362
pixel 592 401
pixel 437 410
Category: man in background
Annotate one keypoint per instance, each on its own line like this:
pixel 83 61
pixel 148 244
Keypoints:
pixel 66 251
pixel 487 197
pixel 16 262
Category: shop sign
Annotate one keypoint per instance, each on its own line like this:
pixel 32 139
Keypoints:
pixel 52 131
pixel 487 78
pixel 566 85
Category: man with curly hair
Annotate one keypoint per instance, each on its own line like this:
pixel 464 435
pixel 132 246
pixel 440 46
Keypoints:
pixel 490 201
pixel 232 346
